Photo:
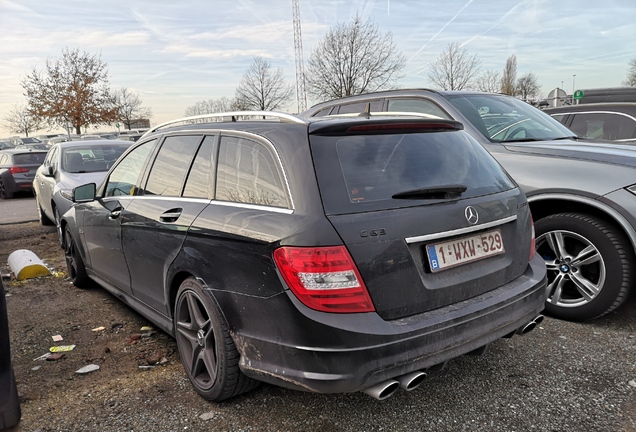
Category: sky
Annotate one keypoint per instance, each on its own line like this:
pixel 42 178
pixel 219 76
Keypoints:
pixel 175 53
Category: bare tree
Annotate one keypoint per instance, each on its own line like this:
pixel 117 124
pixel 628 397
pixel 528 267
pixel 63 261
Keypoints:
pixel 454 69
pixel 71 89
pixel 527 86
pixel 352 59
pixel 489 81
pixel 19 120
pixel 129 107
pixel 209 106
pixel 262 88
pixel 630 80
pixel 509 77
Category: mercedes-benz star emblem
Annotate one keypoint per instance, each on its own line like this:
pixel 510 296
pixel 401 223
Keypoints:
pixel 471 215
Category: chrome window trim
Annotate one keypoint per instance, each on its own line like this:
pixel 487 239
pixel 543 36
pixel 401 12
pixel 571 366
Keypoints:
pixel 252 206
pixel 262 140
pixel 460 231
pixel 230 133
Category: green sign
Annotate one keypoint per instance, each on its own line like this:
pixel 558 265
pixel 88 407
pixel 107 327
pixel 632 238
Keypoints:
pixel 578 94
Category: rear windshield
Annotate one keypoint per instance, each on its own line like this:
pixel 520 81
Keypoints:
pixel 29 158
pixel 358 173
pixel 93 158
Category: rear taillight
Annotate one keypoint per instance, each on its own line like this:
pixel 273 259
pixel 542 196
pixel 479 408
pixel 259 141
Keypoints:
pixel 533 242
pixel 17 170
pixel 324 278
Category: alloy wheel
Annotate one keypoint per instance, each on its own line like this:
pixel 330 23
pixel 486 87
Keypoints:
pixel 197 340
pixel 576 270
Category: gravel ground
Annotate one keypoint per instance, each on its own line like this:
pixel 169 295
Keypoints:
pixel 561 377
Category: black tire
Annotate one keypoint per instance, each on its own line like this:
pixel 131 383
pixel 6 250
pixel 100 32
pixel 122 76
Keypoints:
pixel 74 262
pixel 42 217
pixel 589 265
pixel 207 351
pixel 5 192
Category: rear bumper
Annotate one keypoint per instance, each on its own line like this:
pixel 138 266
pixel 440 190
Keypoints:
pixel 308 350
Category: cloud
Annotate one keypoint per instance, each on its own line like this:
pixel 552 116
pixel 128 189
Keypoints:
pixel 110 39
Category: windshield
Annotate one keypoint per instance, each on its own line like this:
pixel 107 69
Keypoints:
pixel 506 119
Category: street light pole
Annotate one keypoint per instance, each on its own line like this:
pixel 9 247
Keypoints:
pixel 573 81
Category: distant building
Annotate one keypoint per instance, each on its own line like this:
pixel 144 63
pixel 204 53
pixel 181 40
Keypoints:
pixel 140 124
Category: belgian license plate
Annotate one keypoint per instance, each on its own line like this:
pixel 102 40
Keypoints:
pixel 442 256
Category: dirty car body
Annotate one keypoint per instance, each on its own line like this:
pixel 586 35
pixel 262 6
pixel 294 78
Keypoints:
pixel 312 255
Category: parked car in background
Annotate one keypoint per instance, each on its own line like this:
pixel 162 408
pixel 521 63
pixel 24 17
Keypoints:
pixel 69 164
pixel 599 121
pixel 17 170
pixel 325 255
pixel 33 146
pixel 9 401
pixel 110 136
pixel 5 145
pixel 90 137
pixel 16 141
pixel 58 139
pixel 582 195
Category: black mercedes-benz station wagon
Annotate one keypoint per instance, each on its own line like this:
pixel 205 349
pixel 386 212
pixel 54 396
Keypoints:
pixel 330 255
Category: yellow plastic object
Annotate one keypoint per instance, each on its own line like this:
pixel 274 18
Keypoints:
pixel 26 265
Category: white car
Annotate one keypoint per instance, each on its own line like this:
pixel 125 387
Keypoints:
pixel 67 165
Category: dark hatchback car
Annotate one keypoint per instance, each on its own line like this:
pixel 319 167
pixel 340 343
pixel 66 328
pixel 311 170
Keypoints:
pixel 329 256
pixel 17 169
pixel 599 121
pixel 582 194
pixel 9 401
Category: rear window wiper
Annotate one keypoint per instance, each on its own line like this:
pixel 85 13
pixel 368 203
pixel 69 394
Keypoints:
pixel 432 192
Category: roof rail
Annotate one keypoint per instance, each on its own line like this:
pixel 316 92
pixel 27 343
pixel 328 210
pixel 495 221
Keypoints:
pixel 231 116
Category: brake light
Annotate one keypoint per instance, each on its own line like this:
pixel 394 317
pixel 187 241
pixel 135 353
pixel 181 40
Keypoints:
pixel 533 242
pixel 404 126
pixel 17 170
pixel 324 278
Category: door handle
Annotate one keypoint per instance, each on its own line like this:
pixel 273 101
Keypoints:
pixel 171 215
pixel 115 213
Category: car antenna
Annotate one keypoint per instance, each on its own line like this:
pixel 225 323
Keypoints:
pixel 366 112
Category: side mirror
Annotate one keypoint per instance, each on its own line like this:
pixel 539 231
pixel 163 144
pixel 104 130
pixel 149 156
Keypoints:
pixel 48 171
pixel 84 193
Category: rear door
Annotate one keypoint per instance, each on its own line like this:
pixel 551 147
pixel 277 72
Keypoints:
pixel 428 215
pixel 155 224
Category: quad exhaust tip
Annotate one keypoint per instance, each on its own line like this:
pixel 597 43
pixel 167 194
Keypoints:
pixel 385 389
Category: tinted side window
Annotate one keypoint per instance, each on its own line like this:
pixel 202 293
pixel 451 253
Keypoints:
pixel 559 117
pixel 171 165
pixel 123 180
pixel 249 173
pixel 604 126
pixel 417 105
pixel 198 183
pixel 358 107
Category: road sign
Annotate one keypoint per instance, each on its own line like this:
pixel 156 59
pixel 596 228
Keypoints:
pixel 578 94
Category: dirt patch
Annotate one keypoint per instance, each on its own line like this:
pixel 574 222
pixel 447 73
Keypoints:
pixel 131 359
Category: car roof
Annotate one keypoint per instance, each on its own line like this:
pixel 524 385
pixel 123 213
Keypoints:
pixel 96 142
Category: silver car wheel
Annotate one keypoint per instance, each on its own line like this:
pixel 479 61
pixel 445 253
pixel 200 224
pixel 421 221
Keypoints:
pixel 576 270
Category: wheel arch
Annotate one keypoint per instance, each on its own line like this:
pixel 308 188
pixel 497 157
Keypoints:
pixel 549 204
pixel 173 288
